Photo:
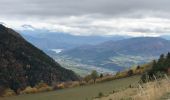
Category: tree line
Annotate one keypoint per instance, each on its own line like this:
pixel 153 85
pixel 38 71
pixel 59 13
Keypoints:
pixel 158 69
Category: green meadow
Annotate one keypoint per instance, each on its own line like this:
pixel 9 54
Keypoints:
pixel 79 93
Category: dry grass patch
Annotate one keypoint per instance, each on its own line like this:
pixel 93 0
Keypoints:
pixel 8 92
pixel 148 91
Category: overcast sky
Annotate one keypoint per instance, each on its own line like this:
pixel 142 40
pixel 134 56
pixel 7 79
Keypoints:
pixel 89 17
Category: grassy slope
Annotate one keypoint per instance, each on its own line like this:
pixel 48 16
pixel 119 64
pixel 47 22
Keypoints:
pixel 79 93
pixel 153 90
pixel 165 97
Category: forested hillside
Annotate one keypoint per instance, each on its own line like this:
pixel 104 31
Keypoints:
pixel 22 64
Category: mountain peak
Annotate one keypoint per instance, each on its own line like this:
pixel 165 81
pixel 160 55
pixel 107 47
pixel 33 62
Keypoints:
pixel 2 27
pixel 4 30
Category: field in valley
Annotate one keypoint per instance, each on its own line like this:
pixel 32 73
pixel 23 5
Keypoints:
pixel 79 93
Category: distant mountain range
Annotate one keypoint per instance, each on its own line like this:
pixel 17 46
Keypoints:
pixel 117 55
pixel 22 64
pixel 52 40
pixel 167 37
pixel 85 53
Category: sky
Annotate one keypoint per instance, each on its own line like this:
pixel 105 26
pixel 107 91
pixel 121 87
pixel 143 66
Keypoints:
pixel 88 17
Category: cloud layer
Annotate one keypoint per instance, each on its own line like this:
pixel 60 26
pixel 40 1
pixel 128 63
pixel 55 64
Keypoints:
pixel 89 17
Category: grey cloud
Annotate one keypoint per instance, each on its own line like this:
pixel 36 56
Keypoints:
pixel 148 30
pixel 53 8
pixel 142 30
pixel 88 16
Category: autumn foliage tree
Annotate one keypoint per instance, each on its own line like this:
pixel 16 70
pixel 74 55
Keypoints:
pixel 94 75
pixel 87 78
pixel 130 72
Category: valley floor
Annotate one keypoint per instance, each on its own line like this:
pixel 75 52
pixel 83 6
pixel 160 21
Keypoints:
pixel 80 93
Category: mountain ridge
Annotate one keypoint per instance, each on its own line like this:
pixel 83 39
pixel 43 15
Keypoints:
pixel 47 39
pixel 108 54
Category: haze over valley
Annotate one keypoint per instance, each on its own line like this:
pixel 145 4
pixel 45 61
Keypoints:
pixel 106 54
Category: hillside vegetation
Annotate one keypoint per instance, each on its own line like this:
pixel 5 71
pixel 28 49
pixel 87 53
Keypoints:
pixel 22 64
pixel 158 68
pixel 87 92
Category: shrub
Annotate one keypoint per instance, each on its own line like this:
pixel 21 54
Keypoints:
pixel 82 83
pixel 150 76
pixel 87 78
pixel 101 75
pixel 100 95
pixel 29 90
pixel 60 86
pixel 74 84
pixel 8 92
pixel 41 84
pixel 105 79
pixel 121 74
pixel 43 89
pixel 2 90
pixel 94 75
pixel 130 72
pixel 67 84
